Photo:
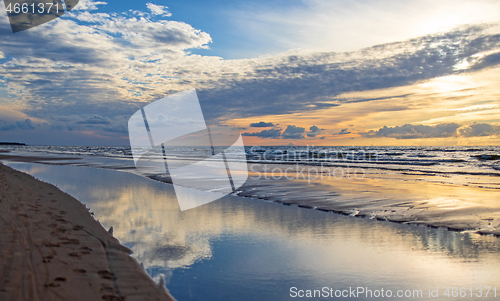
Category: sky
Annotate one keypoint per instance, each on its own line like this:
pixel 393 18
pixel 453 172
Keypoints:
pixel 306 72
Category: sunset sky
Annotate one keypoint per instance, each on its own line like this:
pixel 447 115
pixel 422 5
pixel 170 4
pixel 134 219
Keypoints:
pixel 309 72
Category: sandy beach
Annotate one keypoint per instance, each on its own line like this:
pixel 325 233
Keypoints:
pixel 51 248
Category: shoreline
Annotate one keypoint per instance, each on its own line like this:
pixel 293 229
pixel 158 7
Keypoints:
pixel 53 249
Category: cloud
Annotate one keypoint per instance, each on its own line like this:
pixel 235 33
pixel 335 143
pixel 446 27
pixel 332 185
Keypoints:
pixel 409 131
pixel 19 125
pixel 487 61
pixel 294 132
pixel 476 108
pixel 271 133
pixel 158 9
pixel 291 132
pixel 444 130
pixel 314 128
pixel 261 124
pixel 88 5
pixel 25 125
pixel 94 120
pixel 145 32
pixel 479 130
pixel 343 132
pixel 313 131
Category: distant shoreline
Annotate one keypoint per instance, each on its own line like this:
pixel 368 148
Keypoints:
pixel 12 143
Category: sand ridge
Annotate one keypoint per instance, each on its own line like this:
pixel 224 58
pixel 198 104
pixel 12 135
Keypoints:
pixel 51 248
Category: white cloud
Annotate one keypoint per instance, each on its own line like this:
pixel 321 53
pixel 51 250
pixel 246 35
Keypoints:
pixel 89 5
pixel 97 64
pixel 476 108
pixel 92 17
pixel 158 9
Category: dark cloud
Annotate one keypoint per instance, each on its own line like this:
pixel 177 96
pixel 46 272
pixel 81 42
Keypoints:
pixel 261 124
pixel 291 132
pixel 294 132
pixel 94 120
pixel 25 125
pixel 409 131
pixel 314 128
pixel 486 62
pixel 272 133
pixel 443 130
pixel 479 130
pixel 8 127
pixel 174 37
pixel 375 98
pixel 343 132
pixel 313 131
pixel 54 49
pixel 19 125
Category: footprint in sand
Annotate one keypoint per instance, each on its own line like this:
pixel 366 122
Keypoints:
pixel 106 275
pixel 47 259
pixel 52 284
pixel 85 250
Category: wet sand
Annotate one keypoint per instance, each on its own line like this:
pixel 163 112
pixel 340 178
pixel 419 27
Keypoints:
pixel 51 248
pixel 39 159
